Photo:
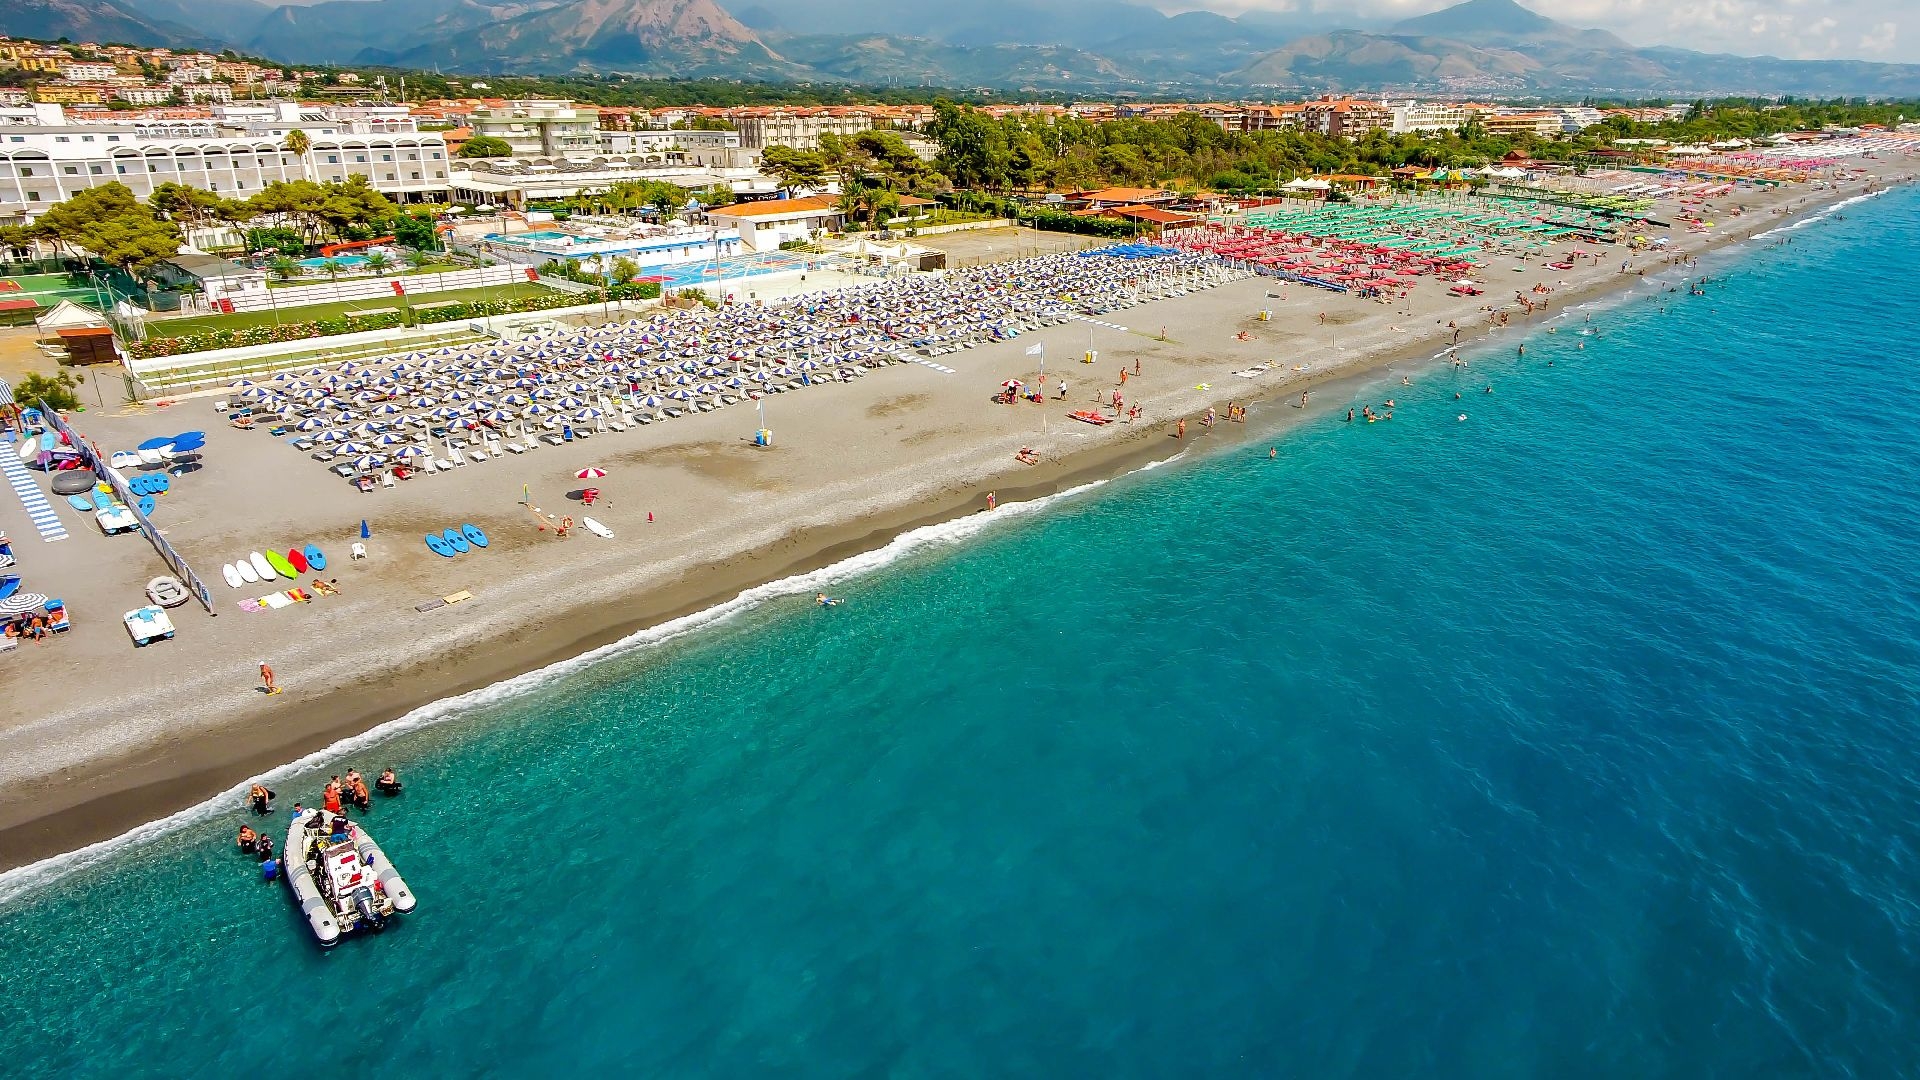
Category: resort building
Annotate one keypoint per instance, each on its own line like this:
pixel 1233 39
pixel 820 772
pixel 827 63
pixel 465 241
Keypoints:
pixel 1515 122
pixel 541 128
pixel 514 184
pixel 44 161
pixel 1432 116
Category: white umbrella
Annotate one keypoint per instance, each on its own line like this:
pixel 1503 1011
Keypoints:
pixel 590 473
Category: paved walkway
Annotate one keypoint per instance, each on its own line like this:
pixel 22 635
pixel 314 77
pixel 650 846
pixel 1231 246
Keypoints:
pixel 39 510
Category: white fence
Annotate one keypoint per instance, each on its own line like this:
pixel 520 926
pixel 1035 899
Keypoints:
pixel 378 288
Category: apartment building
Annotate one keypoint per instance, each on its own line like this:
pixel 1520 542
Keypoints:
pixel 83 71
pixel 536 128
pixel 1344 118
pixel 1433 116
pixel 799 128
pixel 1545 122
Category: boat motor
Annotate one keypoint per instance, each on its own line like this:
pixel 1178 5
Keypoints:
pixel 369 911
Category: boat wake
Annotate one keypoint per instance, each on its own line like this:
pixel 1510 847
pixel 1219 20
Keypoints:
pixel 21 880
pixel 1820 215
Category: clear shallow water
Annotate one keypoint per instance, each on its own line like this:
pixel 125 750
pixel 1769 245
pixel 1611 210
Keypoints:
pixel 1575 739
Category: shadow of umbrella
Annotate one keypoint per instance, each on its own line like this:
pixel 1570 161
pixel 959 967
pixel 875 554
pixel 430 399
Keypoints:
pixel 185 467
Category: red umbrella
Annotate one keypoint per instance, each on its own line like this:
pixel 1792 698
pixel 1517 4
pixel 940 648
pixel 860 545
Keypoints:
pixel 590 473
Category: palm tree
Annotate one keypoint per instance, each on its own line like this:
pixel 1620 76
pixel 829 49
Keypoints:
pixel 417 258
pixel 298 143
pixel 378 261
pixel 283 267
pixel 332 267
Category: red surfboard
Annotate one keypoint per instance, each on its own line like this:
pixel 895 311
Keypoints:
pixel 298 560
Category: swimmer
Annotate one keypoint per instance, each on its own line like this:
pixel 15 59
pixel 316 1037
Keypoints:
pixel 826 601
pixel 1489 389
pixel 1462 416
pixel 1272 452
pixel 1349 416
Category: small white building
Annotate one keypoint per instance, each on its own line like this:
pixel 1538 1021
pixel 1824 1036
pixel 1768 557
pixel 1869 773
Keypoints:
pixel 765 225
pixel 216 278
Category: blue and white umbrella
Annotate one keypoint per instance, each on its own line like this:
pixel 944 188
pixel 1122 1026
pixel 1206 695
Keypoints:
pixel 681 394
pixel 445 413
pixel 368 463
pixel 389 439
pixel 391 408
pixel 407 452
pixel 651 401
pixel 352 448
pixel 311 423
pixel 535 410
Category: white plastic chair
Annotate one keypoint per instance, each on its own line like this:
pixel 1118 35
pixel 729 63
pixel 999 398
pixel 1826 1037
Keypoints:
pixel 359 550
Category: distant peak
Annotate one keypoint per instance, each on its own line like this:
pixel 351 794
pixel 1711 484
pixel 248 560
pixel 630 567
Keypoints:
pixel 1494 15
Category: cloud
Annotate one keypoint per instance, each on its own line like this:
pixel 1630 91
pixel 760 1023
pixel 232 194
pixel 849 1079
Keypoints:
pixel 1798 29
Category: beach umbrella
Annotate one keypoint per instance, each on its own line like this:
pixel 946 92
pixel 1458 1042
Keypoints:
pixel 368 463
pixel 349 449
pixel 535 410
pixel 681 394
pixel 189 440
pixel 497 416
pixel 389 409
pixel 406 452
pixel 312 423
pixel 445 413
pixel 590 473
pixel 21 603
pixel 390 439
pixel 368 428
pixel 651 401
pixel 156 444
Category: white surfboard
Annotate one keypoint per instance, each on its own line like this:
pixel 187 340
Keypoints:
pixel 246 571
pixel 597 529
pixel 30 447
pixel 262 567
pixel 233 576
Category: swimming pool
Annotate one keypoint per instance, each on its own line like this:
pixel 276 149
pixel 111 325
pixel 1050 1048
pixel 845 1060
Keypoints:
pixel 684 275
pixel 521 238
pixel 344 262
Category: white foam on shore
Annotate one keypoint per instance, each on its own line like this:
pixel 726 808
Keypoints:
pixel 20 880
pixel 1820 215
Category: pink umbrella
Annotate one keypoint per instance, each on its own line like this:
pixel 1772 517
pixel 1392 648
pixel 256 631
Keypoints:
pixel 590 473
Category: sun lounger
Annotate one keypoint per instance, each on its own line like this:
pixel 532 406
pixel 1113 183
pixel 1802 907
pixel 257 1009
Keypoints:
pixel 444 464
pixel 457 456
pixel 553 440
pixel 386 479
pixel 515 448
pixel 478 454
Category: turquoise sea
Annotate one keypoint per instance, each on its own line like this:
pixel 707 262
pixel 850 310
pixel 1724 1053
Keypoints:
pixel 1573 739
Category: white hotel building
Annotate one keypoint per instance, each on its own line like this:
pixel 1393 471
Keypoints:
pixel 44 157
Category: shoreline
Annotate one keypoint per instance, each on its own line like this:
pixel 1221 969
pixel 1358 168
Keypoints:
pixel 56 814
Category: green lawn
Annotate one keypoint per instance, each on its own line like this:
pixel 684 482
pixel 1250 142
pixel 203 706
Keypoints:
pixel 199 324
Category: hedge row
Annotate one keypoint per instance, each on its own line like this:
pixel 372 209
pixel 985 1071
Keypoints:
pixel 261 335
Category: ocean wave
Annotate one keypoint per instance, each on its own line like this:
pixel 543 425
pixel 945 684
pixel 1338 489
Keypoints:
pixel 1820 215
pixel 21 880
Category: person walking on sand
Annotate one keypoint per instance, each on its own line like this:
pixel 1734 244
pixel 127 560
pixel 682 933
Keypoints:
pixel 1136 362
pixel 266 678
pixel 1063 389
pixel 991 503
pixel 1303 397
pixel 1181 431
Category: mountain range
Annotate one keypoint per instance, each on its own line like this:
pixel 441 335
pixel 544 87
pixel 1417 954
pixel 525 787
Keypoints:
pixel 1476 47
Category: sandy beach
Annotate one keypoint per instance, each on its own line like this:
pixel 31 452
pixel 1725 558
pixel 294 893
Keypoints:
pixel 99 737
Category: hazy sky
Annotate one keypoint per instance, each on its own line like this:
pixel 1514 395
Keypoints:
pixel 1797 29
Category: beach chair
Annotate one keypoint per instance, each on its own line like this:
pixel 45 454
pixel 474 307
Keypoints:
pixel 386 478
pixel 445 465
pixel 478 454
pixel 359 551
pixel 553 440
pixel 457 456
pixel 515 448
pixel 426 464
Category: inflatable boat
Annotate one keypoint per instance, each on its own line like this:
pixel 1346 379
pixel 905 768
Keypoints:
pixel 341 880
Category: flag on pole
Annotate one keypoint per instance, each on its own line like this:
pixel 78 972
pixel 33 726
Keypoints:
pixel 1036 350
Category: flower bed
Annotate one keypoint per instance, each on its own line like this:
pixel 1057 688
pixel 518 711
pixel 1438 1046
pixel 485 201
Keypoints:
pixel 261 335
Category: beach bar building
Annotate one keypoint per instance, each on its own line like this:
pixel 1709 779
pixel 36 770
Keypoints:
pixel 765 225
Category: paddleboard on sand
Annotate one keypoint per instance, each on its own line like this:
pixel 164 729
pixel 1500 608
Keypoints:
pixel 146 504
pixel 80 503
pixel 232 575
pixel 280 564
pixel 316 560
pixel 297 560
pixel 597 529
pixel 30 448
pixel 474 535
pixel 261 567
pixel 457 542
pixel 439 545
pixel 247 572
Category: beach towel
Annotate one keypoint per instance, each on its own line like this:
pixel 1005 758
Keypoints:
pixel 277 600
pixel 252 605
pixel 458 597
pixel 436 602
